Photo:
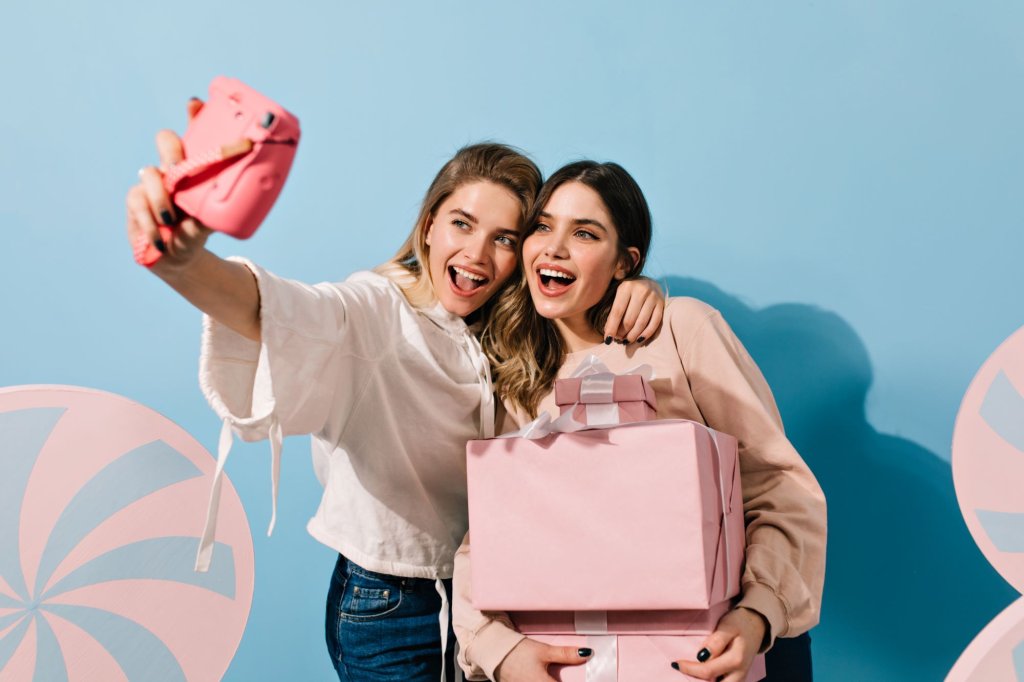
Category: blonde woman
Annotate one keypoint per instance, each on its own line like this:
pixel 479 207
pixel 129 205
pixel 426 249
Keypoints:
pixel 586 239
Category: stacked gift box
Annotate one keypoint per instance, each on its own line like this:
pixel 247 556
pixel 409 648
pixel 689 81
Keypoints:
pixel 609 530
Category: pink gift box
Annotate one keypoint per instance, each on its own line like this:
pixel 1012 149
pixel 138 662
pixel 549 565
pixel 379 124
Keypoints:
pixel 631 399
pixel 640 517
pixel 636 658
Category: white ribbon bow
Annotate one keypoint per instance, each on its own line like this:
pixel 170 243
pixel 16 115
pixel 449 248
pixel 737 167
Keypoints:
pixel 597 385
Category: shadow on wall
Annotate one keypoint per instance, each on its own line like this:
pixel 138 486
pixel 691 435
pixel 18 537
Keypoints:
pixel 906 588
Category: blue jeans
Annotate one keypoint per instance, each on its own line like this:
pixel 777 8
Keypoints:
pixel 384 628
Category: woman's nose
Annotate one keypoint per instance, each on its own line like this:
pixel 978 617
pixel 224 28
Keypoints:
pixel 556 246
pixel 476 248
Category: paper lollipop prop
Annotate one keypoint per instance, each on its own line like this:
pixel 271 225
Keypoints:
pixel 988 472
pixel 101 500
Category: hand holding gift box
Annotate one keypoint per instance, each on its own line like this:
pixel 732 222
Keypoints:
pixel 632 658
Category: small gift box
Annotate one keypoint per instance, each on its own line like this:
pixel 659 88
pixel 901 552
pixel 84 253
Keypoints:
pixel 605 398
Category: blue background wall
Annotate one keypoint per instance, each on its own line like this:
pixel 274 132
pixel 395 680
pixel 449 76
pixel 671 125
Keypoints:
pixel 842 179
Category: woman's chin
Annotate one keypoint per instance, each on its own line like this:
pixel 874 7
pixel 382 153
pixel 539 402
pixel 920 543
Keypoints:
pixel 550 310
pixel 458 305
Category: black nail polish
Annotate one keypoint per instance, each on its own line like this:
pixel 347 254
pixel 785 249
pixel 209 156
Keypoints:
pixel 166 218
pixel 675 666
pixel 640 339
pixel 585 652
pixel 160 245
pixel 624 342
pixel 607 340
pixel 703 655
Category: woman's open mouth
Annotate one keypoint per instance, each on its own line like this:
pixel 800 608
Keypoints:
pixel 465 282
pixel 554 282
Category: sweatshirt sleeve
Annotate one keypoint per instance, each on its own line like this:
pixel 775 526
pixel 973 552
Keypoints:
pixel 784 507
pixel 308 363
pixel 485 637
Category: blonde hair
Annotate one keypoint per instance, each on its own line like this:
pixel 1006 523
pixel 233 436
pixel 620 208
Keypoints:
pixel 527 350
pixel 498 163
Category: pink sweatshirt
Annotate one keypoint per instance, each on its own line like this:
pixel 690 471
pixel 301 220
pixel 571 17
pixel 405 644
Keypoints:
pixel 703 373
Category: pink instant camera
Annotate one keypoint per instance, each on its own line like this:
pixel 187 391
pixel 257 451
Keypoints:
pixel 238 151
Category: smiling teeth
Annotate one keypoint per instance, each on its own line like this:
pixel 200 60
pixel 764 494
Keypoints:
pixel 469 275
pixel 556 273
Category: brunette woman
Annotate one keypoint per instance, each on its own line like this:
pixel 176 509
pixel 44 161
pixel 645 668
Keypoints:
pixel 587 237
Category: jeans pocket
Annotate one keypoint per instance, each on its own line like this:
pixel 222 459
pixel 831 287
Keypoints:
pixel 367 597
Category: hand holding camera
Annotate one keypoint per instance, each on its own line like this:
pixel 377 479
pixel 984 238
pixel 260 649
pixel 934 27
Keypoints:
pixel 224 174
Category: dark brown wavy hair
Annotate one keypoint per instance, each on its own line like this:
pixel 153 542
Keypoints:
pixel 525 349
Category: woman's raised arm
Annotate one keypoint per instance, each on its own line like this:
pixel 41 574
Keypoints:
pixel 224 290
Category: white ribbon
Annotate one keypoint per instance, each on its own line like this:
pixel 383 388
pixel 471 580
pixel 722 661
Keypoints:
pixel 602 414
pixel 590 622
pixel 597 388
pixel 603 665
pixel 210 527
pixel 206 542
pixel 593 365
pixel 544 425
pixel 443 620
pixel 597 395
pixel 276 439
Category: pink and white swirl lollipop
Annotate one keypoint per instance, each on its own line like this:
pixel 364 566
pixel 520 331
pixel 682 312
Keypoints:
pixel 988 472
pixel 101 504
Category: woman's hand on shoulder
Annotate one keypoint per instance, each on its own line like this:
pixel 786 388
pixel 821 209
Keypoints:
pixel 529 661
pixel 637 311
pixel 728 651
pixel 152 216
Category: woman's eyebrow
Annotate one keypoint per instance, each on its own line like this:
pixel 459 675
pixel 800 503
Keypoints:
pixel 465 214
pixel 589 222
pixel 576 221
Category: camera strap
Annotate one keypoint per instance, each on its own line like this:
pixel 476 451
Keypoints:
pixel 195 165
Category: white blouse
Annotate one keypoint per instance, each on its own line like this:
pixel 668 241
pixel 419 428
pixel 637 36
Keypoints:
pixel 390 394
